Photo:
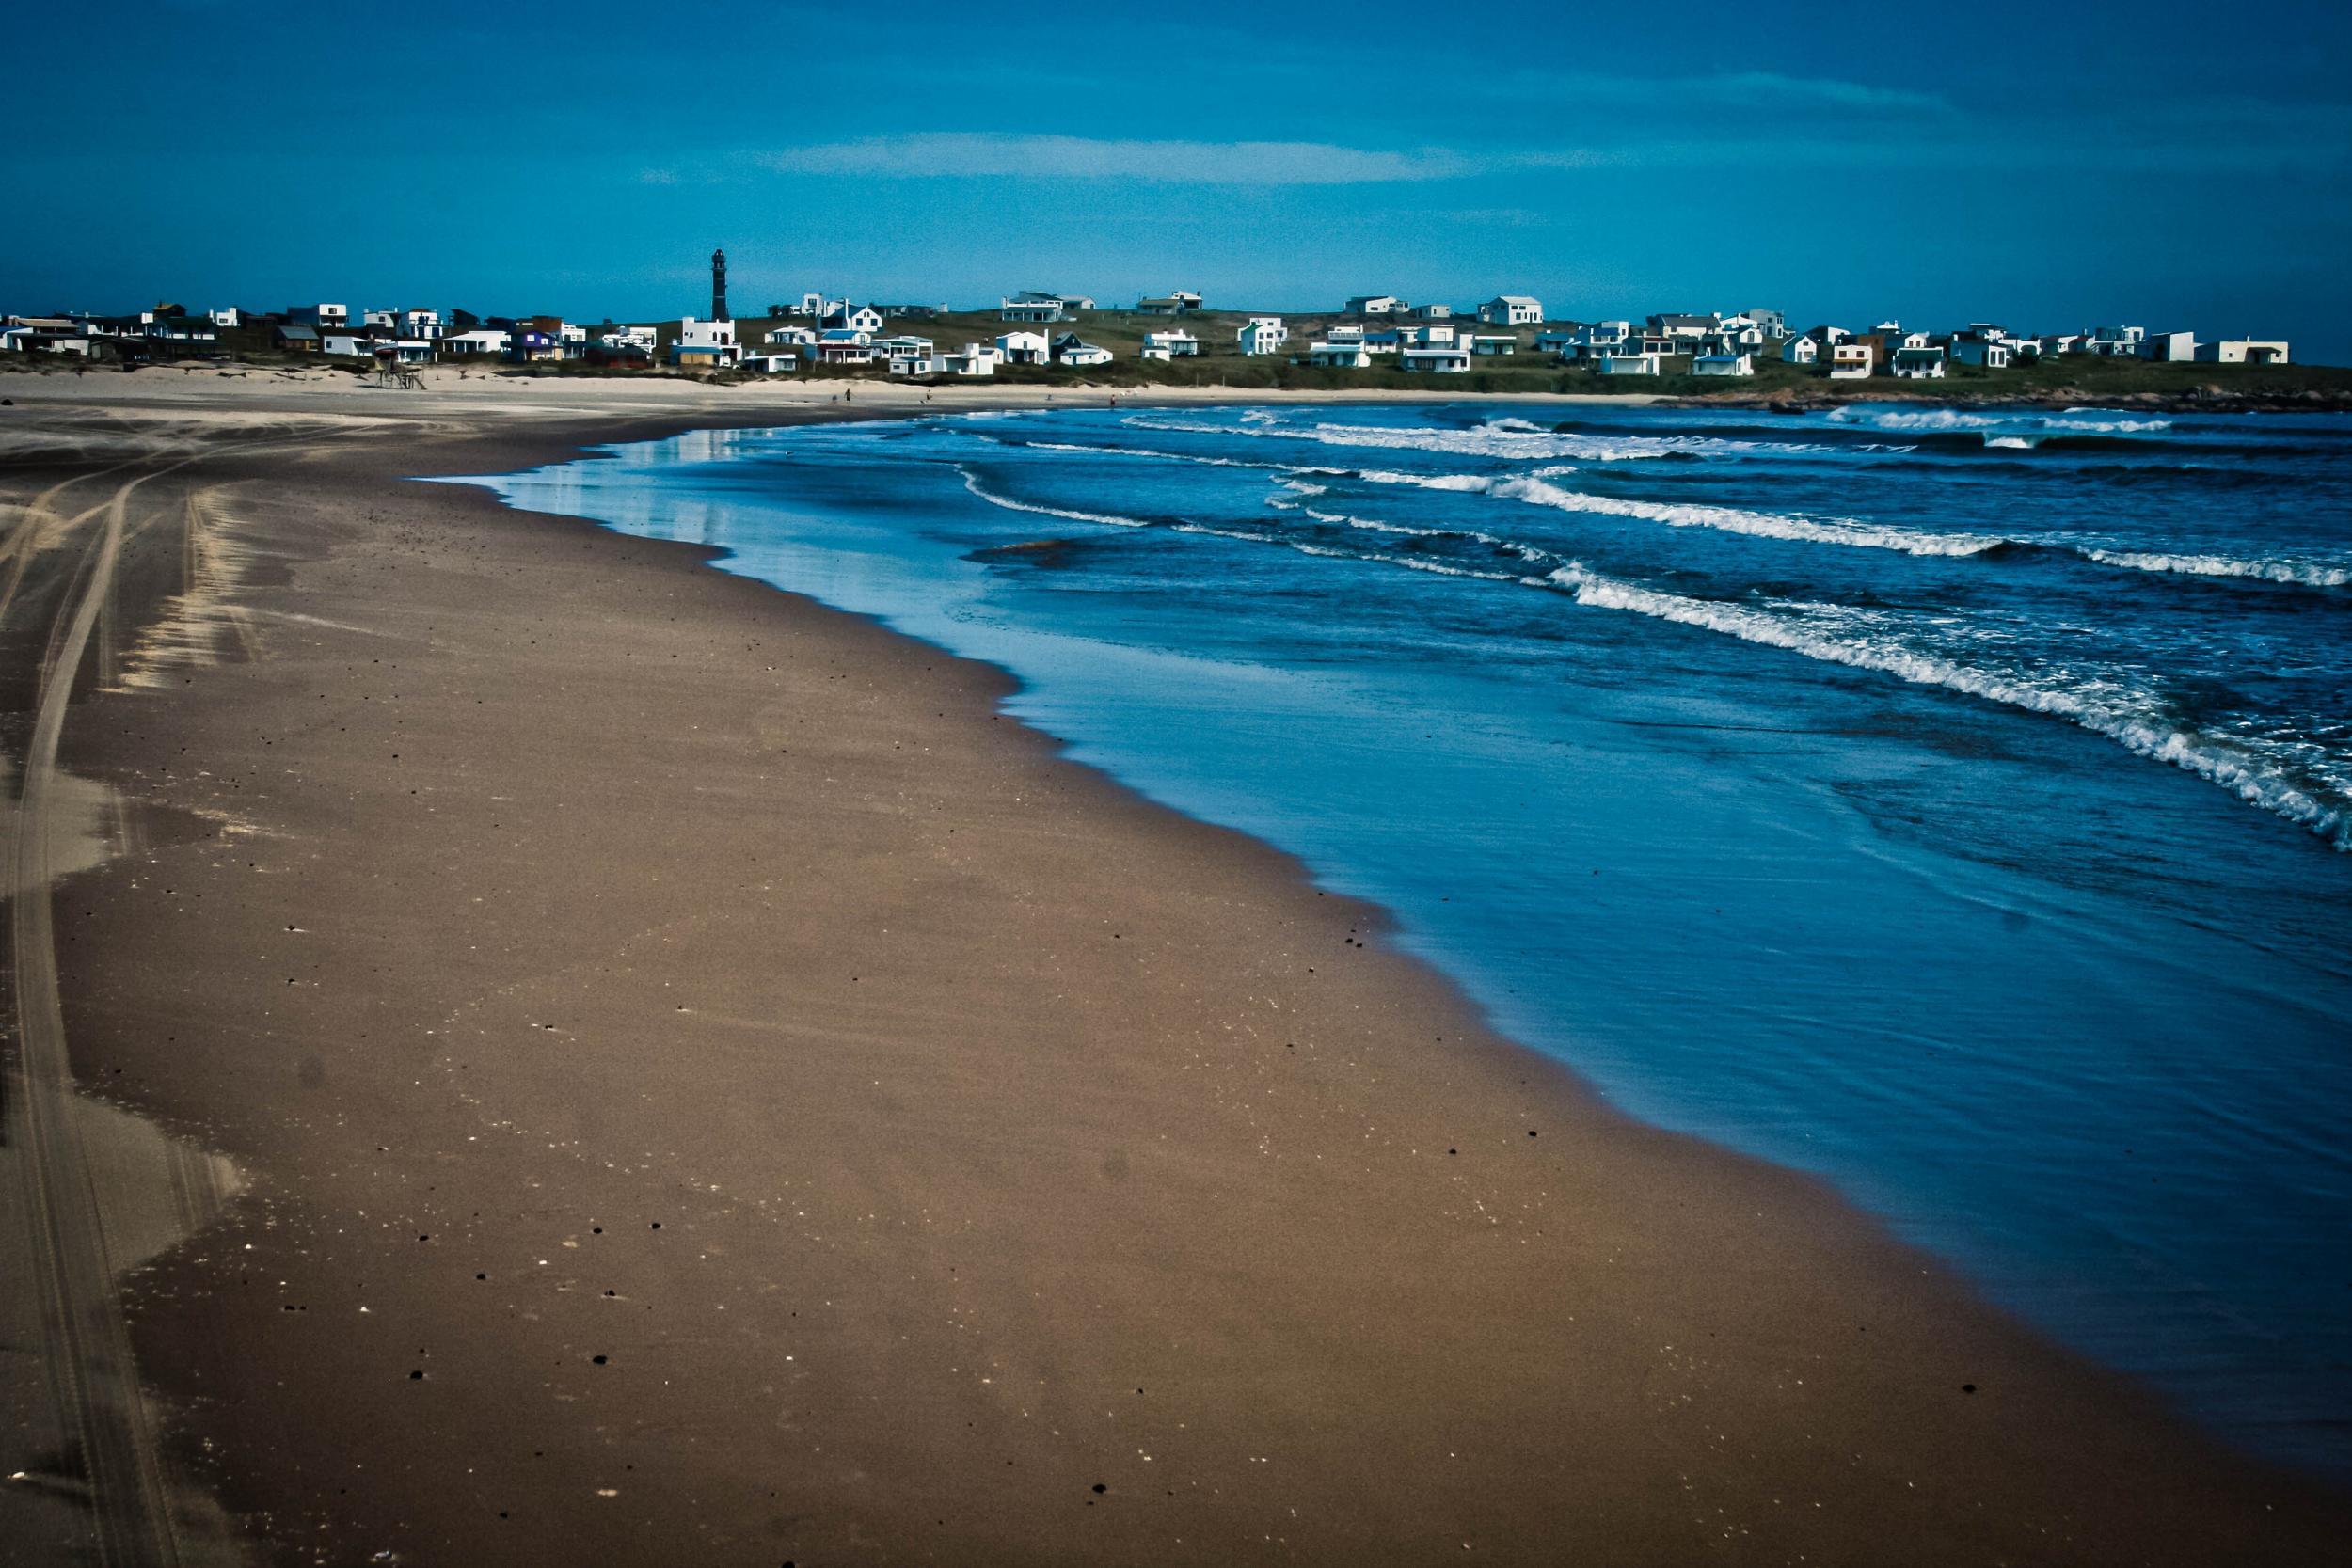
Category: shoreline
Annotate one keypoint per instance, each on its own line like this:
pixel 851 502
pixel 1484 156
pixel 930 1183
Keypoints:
pixel 1467 1344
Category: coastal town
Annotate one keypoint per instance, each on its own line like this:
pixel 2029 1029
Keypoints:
pixel 1070 335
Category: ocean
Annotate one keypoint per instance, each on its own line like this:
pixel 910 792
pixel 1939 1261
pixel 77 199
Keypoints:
pixel 1956 805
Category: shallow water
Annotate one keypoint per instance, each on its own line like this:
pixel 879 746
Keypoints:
pixel 1954 804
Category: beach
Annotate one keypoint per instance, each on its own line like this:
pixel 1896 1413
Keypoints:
pixel 642 1068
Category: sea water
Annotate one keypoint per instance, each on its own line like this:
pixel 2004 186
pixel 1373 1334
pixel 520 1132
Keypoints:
pixel 1952 803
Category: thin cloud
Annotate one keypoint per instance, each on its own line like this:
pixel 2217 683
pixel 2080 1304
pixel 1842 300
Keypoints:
pixel 956 154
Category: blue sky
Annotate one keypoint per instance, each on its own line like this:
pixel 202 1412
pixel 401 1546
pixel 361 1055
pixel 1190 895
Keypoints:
pixel 2046 165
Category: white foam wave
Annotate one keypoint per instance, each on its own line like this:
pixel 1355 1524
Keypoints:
pixel 971 483
pixel 2309 574
pixel 1485 441
pixel 2213 758
pixel 2071 421
pixel 1727 519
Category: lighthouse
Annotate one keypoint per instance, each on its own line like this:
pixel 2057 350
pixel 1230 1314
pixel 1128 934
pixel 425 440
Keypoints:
pixel 718 285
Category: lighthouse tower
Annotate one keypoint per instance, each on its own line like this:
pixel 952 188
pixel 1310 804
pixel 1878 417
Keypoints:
pixel 718 285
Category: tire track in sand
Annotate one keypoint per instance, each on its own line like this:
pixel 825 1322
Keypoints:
pixel 92 1372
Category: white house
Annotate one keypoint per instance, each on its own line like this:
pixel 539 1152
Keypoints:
pixel 1491 345
pixel 413 351
pixel 1040 311
pixel 2244 350
pixel 1345 332
pixel 386 319
pixel 772 364
pixel 1071 349
pixel 1724 364
pixel 1387 342
pixel 1604 336
pixel 1989 352
pixel 1375 305
pixel 231 316
pixel 481 341
pixel 1438 335
pixel 785 337
pixel 2062 342
pixel 319 315
pixel 1433 313
pixel 1919 361
pixel 2114 342
pixel 1775 325
pixel 1852 361
pixel 1177 302
pixel 1342 356
pixel 1263 335
pixel 1511 310
pixel 1625 364
pixel 856 318
pixel 421 324
pixel 843 348
pixel 972 359
pixel 640 339
pixel 1179 344
pixel 706 344
pixel 1024 348
pixel 1562 341
pixel 1435 362
pixel 350 345
pixel 2170 347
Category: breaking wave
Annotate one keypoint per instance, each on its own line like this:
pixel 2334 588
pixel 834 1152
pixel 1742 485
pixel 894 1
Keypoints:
pixel 2307 573
pixel 2216 759
pixel 971 483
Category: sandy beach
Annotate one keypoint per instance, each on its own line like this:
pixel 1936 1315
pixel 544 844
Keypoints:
pixel 525 1048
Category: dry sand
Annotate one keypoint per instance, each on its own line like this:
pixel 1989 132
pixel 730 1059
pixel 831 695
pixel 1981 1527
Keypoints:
pixel 676 1078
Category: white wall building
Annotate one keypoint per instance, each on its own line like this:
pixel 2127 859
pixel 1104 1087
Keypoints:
pixel 1511 310
pixel 1435 361
pixel 1263 335
pixel 1024 348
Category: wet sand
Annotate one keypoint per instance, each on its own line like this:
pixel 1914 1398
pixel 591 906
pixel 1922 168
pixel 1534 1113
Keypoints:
pixel 699 1085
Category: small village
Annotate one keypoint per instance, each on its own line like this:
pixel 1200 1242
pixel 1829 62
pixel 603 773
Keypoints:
pixel 1158 338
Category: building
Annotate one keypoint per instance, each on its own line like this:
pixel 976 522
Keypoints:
pixel 1433 335
pixel 1852 361
pixel 1347 355
pixel 2113 343
pixel 318 315
pixel 1026 348
pixel 1435 361
pixel 1038 311
pixel 346 345
pixel 1724 364
pixel 1180 303
pixel 1492 345
pixel 1682 328
pixel 466 345
pixel 843 348
pixel 301 340
pixel 421 324
pixel 2171 348
pixel 1387 342
pixel 707 345
pixel 853 318
pixel 1071 349
pixel 1433 313
pixel 1377 304
pixel 1990 353
pixel 2244 350
pixel 772 364
pixel 1626 364
pixel 1263 335
pixel 1917 361
pixel 972 359
pixel 1178 345
pixel 1511 310
pixel 1773 324
pixel 625 339
pixel 782 336
pixel 719 310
